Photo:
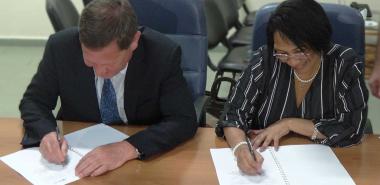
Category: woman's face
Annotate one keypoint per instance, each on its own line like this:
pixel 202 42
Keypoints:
pixel 287 52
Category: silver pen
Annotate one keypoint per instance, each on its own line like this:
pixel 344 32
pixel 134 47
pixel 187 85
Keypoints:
pixel 250 147
pixel 59 138
pixel 59 135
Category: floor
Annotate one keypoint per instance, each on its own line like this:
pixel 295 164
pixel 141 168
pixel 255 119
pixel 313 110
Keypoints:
pixel 20 61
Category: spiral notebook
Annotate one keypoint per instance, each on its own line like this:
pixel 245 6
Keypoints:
pixel 38 171
pixel 291 165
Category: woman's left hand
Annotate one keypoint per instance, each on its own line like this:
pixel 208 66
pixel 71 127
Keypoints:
pixel 264 137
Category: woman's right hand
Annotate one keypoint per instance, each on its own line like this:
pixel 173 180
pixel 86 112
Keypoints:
pixel 246 162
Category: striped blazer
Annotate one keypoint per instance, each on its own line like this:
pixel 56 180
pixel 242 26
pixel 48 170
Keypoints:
pixel 336 101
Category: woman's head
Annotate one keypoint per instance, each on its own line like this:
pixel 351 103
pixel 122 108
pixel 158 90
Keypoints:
pixel 302 24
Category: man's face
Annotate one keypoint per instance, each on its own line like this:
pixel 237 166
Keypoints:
pixel 109 60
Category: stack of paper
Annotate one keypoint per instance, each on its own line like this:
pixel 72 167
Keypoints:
pixel 33 167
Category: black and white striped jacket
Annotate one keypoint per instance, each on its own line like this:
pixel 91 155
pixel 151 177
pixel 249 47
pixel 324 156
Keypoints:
pixel 336 100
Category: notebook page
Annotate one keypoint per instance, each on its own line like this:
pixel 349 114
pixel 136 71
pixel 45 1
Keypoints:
pixel 85 140
pixel 30 164
pixel 312 164
pixel 299 164
pixel 229 174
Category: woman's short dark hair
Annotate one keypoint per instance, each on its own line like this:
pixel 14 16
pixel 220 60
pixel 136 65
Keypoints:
pixel 103 21
pixel 304 22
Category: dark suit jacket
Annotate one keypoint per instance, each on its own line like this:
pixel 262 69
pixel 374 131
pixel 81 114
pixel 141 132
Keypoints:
pixel 155 92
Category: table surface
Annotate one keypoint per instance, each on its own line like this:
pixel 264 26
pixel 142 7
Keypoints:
pixel 189 163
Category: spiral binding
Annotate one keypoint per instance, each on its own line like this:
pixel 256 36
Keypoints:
pixel 75 151
pixel 282 172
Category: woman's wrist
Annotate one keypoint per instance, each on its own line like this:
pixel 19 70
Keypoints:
pixel 237 146
pixel 286 124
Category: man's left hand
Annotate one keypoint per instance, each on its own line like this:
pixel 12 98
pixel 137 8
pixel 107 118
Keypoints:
pixel 105 158
pixel 264 137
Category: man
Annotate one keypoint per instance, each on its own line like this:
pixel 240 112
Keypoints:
pixel 111 72
pixel 374 80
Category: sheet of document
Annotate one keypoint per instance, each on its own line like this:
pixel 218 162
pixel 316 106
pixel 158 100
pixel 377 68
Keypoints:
pixel 291 165
pixel 30 164
pixel 229 174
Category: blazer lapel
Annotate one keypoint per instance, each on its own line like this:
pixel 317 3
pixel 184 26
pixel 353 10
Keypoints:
pixel 86 83
pixel 135 73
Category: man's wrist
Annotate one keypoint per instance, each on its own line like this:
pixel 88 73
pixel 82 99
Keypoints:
pixel 140 155
pixel 131 151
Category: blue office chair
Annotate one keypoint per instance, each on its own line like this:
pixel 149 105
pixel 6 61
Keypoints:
pixel 347 24
pixel 184 22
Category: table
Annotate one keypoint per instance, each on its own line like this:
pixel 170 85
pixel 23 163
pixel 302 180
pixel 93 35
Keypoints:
pixel 189 163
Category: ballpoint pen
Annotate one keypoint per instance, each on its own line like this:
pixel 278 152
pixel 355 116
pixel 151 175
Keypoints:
pixel 251 150
pixel 59 135
pixel 250 147
pixel 59 138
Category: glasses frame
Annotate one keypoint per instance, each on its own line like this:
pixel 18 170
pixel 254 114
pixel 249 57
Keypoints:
pixel 297 56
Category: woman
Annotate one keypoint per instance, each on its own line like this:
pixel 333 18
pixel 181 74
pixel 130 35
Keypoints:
pixel 301 83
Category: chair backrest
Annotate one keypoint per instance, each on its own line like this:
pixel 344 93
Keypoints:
pixel 216 28
pixel 239 3
pixel 62 14
pixel 184 22
pixel 85 2
pixel 229 12
pixel 347 24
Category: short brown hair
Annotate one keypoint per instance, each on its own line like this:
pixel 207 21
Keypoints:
pixel 103 21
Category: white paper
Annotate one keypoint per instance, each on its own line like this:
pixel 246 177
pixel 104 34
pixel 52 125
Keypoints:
pixel 33 167
pixel 301 164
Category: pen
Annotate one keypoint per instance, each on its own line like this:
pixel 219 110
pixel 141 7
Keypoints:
pixel 59 138
pixel 250 147
pixel 59 135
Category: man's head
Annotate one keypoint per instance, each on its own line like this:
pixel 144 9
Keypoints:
pixel 108 35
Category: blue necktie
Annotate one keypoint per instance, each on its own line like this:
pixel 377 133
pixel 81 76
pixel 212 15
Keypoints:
pixel 108 105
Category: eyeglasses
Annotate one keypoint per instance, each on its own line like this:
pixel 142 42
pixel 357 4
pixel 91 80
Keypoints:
pixel 300 56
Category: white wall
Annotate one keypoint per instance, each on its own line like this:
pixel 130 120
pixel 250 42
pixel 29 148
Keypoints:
pixel 28 18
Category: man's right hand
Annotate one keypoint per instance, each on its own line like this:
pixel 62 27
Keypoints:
pixel 53 150
pixel 247 163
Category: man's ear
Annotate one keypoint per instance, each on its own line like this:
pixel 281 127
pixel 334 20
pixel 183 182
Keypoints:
pixel 135 41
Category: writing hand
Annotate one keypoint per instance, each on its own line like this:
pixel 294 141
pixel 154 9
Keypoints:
pixel 247 163
pixel 53 150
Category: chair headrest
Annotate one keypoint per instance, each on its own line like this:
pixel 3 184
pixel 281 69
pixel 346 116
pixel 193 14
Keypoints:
pixel 171 17
pixel 347 24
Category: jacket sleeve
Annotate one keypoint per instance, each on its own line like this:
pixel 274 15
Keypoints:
pixel 242 102
pixel 178 122
pixel 39 99
pixel 346 128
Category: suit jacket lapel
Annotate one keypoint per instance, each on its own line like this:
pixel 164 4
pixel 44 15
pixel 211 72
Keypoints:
pixel 86 82
pixel 135 73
